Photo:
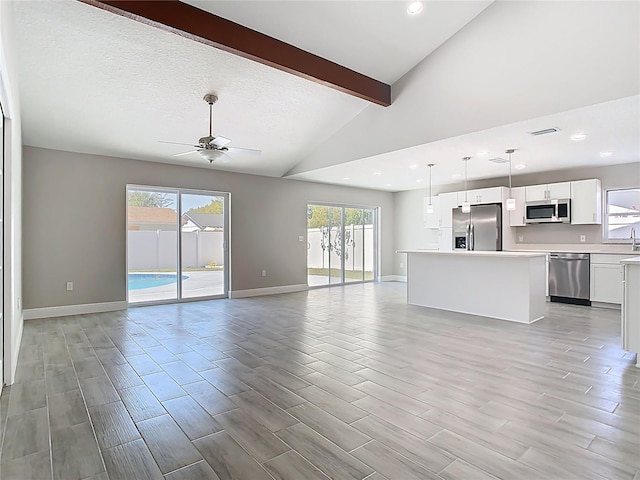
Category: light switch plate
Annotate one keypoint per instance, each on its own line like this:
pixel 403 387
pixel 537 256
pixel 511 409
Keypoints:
pixel 583 238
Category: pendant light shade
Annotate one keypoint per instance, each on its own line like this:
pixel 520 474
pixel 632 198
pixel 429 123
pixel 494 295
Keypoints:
pixel 430 205
pixel 511 202
pixel 466 205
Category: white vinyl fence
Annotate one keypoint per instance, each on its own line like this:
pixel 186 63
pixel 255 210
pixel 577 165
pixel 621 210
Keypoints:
pixel 154 249
pixel 359 239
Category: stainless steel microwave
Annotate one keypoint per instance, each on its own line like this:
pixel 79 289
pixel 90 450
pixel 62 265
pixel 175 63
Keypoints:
pixel 548 211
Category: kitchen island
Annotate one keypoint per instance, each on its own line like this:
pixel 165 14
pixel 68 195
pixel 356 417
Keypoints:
pixel 503 285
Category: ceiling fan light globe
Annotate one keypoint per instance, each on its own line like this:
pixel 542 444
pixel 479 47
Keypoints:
pixel 210 155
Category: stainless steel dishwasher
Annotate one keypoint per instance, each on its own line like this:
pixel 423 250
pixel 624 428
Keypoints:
pixel 569 278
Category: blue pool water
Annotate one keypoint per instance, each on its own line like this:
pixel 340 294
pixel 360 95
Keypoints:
pixel 138 281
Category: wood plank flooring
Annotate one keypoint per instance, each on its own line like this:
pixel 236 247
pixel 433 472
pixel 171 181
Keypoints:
pixel 341 383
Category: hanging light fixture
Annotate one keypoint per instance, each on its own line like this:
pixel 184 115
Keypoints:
pixel 511 202
pixel 466 205
pixel 430 205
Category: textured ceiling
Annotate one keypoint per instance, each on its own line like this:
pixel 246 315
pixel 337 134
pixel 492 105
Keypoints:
pixel 94 82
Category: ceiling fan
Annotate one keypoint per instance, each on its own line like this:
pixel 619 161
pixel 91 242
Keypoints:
pixel 213 148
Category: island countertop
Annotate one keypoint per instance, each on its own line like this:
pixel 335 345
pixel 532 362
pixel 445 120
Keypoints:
pixel 500 254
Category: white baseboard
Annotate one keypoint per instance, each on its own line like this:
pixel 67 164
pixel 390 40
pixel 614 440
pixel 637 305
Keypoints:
pixel 65 310
pixel 10 376
pixel 256 292
pixel 394 278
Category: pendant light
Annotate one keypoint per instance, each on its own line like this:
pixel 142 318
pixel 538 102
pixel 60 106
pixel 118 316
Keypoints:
pixel 430 205
pixel 466 205
pixel 511 202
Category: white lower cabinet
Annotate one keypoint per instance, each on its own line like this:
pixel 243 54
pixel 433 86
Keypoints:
pixel 446 240
pixel 605 284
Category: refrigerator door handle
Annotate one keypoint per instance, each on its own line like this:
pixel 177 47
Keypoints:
pixel 471 237
pixel 467 236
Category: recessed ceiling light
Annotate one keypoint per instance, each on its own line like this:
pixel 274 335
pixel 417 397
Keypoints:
pixel 414 8
pixel 346 178
pixel 578 137
pixel 606 154
pixel 482 154
pixel 520 166
pixel 456 175
pixel 419 180
pixel 377 173
pixel 387 184
pixel 413 167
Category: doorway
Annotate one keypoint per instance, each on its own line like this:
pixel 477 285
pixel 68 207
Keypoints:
pixel 341 244
pixel 176 244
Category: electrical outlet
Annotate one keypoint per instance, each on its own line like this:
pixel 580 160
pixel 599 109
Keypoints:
pixel 401 265
pixel 521 238
pixel 264 273
pixel 301 238
pixel 583 238
pixel 69 286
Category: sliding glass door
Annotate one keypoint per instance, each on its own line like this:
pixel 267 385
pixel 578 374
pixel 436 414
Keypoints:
pixel 176 244
pixel 341 244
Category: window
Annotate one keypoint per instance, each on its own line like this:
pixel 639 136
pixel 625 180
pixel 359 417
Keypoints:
pixel 622 214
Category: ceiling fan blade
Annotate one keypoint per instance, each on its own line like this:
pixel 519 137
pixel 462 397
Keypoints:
pixel 220 141
pixel 176 143
pixel 224 158
pixel 248 151
pixel 184 153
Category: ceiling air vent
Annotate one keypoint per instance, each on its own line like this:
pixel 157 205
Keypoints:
pixel 545 131
pixel 498 160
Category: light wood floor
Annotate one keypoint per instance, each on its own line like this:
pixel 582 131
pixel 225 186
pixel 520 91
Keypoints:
pixel 342 383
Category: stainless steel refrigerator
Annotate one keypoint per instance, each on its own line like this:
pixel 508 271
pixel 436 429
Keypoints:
pixel 480 229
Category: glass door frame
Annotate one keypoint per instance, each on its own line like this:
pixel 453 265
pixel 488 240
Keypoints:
pixel 375 233
pixel 226 243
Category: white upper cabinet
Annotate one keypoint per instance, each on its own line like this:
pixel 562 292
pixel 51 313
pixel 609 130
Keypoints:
pixel 482 195
pixel 516 217
pixel 448 201
pixel 586 202
pixel 551 191
pixel 432 219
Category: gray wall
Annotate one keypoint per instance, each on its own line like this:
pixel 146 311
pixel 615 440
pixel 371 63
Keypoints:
pixel 409 209
pixel 74 223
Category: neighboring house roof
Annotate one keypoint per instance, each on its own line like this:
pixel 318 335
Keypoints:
pixel 206 220
pixel 151 215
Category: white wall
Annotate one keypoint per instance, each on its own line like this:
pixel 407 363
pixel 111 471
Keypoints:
pixel 13 320
pixel 69 193
pixel 515 61
pixel 410 234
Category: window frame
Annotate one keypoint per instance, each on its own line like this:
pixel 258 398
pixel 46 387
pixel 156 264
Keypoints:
pixel 605 223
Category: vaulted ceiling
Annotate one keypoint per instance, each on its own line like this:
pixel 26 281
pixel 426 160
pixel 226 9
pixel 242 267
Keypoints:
pixel 466 77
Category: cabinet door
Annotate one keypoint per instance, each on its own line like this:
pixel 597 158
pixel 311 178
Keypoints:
pixel 432 220
pixel 606 283
pixel 558 191
pixel 448 201
pixel 535 193
pixel 446 239
pixel 586 202
pixel 516 217
pixel 490 195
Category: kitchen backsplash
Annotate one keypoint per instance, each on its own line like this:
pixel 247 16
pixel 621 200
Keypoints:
pixel 558 234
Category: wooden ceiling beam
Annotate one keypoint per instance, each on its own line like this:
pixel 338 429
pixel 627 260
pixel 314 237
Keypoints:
pixel 204 27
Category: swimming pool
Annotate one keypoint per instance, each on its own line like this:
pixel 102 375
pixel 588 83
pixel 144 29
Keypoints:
pixel 138 281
